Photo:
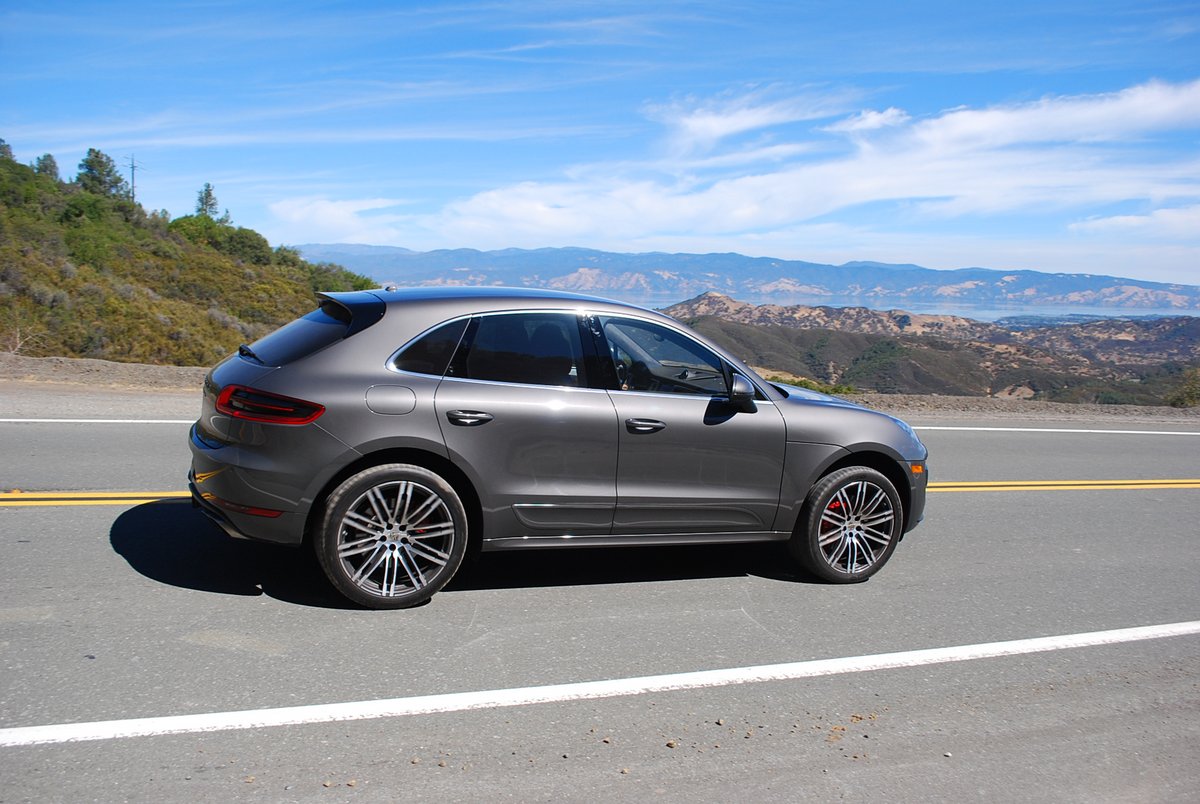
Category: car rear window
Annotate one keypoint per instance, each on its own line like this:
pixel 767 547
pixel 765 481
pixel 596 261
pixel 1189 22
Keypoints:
pixel 323 326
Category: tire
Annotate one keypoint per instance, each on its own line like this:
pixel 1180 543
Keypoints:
pixel 392 536
pixel 849 525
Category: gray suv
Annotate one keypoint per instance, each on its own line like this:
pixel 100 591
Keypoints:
pixel 396 429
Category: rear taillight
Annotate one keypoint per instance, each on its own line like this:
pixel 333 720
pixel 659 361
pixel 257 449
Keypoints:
pixel 253 405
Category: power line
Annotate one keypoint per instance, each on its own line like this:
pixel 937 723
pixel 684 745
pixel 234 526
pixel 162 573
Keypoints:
pixel 133 166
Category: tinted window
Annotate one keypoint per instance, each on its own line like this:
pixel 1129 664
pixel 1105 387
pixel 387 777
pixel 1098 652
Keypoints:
pixel 431 353
pixel 651 357
pixel 327 324
pixel 530 348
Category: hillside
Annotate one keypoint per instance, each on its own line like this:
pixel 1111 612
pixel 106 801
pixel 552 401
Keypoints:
pixel 668 277
pixel 1133 361
pixel 87 272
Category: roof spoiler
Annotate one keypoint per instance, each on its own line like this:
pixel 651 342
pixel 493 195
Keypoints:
pixel 359 309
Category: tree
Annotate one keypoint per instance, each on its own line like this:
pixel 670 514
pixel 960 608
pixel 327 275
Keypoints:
pixel 206 202
pixel 98 174
pixel 46 165
pixel 5 150
pixel 249 246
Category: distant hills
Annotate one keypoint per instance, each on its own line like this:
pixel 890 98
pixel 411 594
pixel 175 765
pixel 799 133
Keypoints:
pixel 670 277
pixel 1113 360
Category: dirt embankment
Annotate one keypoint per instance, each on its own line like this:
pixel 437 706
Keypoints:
pixel 106 375
pixel 100 373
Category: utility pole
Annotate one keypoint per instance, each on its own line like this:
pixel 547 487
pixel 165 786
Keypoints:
pixel 133 166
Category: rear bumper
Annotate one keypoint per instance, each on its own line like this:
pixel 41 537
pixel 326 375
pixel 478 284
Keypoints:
pixel 210 510
pixel 262 483
pixel 286 528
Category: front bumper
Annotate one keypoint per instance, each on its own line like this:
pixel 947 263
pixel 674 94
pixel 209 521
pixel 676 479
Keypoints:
pixel 917 489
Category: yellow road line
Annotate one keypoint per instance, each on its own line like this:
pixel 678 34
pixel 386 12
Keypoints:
pixel 68 503
pixel 27 499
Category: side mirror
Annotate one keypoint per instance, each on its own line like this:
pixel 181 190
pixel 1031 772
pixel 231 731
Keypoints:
pixel 741 393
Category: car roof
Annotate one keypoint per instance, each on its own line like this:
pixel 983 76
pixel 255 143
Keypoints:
pixel 463 299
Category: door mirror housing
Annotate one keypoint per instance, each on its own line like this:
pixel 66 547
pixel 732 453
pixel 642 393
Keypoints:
pixel 741 392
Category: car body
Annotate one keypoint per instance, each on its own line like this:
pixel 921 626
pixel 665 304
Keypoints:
pixel 394 428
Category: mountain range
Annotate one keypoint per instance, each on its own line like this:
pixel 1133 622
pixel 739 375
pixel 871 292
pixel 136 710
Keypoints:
pixel 670 277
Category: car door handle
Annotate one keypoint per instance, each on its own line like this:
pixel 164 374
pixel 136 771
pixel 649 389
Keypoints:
pixel 468 418
pixel 644 425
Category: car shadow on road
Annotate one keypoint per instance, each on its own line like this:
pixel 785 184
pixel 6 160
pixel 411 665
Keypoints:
pixel 614 565
pixel 174 544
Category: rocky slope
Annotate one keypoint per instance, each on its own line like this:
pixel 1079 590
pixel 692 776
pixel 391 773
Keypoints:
pixel 844 319
pixel 1126 341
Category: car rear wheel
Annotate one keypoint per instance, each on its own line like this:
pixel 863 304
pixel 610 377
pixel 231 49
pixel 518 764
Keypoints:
pixel 392 536
pixel 849 525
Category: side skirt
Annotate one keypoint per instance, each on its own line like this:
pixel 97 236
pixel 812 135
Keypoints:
pixel 632 540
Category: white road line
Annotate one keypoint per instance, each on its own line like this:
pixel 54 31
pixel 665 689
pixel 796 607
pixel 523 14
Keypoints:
pixel 96 421
pixel 557 693
pixel 1061 430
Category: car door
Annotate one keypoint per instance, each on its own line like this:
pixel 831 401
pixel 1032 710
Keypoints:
pixel 690 462
pixel 517 416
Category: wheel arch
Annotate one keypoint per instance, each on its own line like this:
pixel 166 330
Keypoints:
pixel 415 457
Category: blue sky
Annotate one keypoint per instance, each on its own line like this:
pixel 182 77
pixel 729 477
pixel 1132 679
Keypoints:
pixel 1057 136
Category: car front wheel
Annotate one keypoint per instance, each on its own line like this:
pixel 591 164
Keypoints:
pixel 849 525
pixel 392 536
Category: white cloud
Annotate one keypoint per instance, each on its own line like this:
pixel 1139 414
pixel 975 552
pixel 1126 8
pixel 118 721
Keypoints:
pixel 1150 107
pixel 871 120
pixel 699 125
pixel 1040 156
pixel 320 220
pixel 1181 223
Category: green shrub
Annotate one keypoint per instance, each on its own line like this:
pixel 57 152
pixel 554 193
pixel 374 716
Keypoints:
pixel 1187 394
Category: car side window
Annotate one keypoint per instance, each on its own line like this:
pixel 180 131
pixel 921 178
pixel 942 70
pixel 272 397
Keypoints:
pixel 531 348
pixel 650 357
pixel 431 353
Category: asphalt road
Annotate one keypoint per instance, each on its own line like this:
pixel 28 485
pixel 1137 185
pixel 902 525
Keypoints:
pixel 145 610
